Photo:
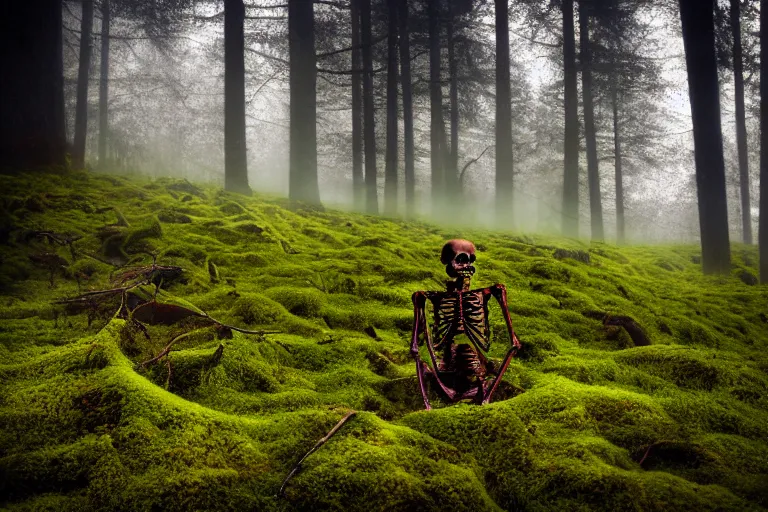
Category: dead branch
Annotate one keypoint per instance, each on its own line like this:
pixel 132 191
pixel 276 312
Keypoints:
pixel 466 166
pixel 167 349
pixel 320 443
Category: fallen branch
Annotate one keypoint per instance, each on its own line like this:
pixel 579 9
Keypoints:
pixel 166 350
pixel 320 443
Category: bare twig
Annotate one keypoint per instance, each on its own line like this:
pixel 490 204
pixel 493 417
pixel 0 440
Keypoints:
pixel 166 350
pixel 466 166
pixel 320 443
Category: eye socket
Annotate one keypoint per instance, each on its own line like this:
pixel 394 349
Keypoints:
pixel 462 258
pixel 472 258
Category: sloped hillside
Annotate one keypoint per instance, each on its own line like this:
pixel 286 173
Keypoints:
pixel 642 385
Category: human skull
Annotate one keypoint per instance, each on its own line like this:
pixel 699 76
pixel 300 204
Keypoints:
pixel 457 256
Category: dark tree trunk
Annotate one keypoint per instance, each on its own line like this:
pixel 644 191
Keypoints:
pixel 84 66
pixel 436 128
pixel 452 167
pixel 405 79
pixel 390 171
pixel 593 174
pixel 504 169
pixel 369 128
pixel 235 158
pixel 32 127
pixel 303 180
pixel 571 145
pixel 620 233
pixel 104 85
pixel 741 124
pixel 763 233
pixel 358 183
pixel 699 43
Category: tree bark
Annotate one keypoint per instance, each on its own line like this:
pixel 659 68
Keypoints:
pixel 390 171
pixel 699 44
pixel 32 127
pixel 235 157
pixel 84 66
pixel 570 215
pixel 620 233
pixel 590 133
pixel 358 183
pixel 104 85
pixel 436 128
pixel 405 79
pixel 369 128
pixel 504 169
pixel 763 225
pixel 741 124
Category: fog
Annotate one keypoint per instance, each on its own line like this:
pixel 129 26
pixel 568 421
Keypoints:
pixel 166 118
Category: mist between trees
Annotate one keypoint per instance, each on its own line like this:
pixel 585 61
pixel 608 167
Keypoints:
pixel 562 116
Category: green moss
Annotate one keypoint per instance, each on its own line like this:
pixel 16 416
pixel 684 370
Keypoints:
pixel 584 420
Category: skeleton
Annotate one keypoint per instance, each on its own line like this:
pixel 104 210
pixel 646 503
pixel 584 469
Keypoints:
pixel 460 315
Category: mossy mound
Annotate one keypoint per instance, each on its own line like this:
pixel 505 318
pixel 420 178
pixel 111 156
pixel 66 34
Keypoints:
pixel 641 385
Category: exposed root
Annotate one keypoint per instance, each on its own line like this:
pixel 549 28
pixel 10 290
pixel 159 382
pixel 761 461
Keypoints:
pixel 635 331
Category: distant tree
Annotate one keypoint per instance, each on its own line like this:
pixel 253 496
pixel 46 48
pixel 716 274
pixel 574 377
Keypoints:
pixel 407 91
pixel 763 233
pixel 627 84
pixel 104 83
pixel 570 208
pixel 504 157
pixel 358 181
pixel 590 133
pixel 741 123
pixel 369 128
pixel 452 158
pixel 235 157
pixel 81 112
pixel 436 126
pixel 32 124
pixel 390 170
pixel 701 64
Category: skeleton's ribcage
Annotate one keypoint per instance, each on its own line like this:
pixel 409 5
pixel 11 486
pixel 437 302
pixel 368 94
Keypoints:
pixel 457 313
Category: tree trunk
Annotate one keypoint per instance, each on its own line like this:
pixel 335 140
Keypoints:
pixel 452 167
pixel 593 174
pixel 504 169
pixel 84 66
pixel 763 225
pixel 436 128
pixel 303 180
pixel 620 234
pixel 104 85
pixel 741 124
pixel 405 79
pixel 390 171
pixel 235 158
pixel 358 183
pixel 369 128
pixel 32 127
pixel 699 43
pixel 571 146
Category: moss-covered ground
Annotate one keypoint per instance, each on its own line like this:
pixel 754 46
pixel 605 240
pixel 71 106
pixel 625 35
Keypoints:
pixel 590 417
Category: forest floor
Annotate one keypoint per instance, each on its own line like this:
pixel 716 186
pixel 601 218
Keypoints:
pixel 668 412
